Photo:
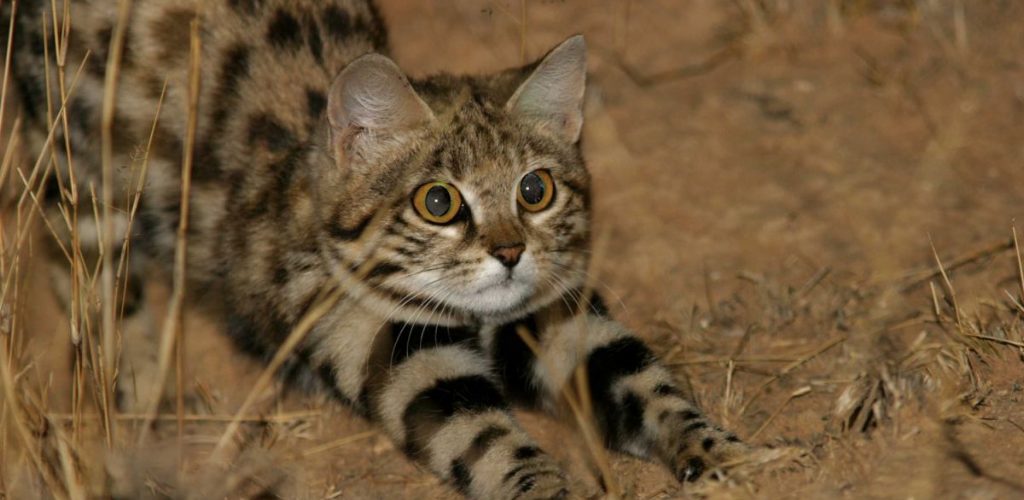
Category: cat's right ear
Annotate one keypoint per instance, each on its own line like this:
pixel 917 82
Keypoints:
pixel 370 105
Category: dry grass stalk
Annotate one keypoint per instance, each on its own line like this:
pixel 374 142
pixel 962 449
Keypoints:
pixel 258 419
pixel 960 28
pixel 1020 263
pixel 172 334
pixel 576 393
pixel 521 24
pixel 107 367
pixel 10 291
pixel 936 308
pixel 136 198
pixel 328 299
pixel 996 339
pixel 788 368
pixel 63 478
pixel 16 407
pixel 79 308
pixel 793 395
pixel 947 285
pixel 61 38
pixel 35 177
pixel 727 396
pixel 7 68
pixel 321 307
pixel 181 247
pixel 584 410
pixel 338 443
pixel 6 165
pixel 912 280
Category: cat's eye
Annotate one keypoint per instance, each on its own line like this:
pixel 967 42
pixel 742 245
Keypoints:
pixel 536 190
pixel 437 202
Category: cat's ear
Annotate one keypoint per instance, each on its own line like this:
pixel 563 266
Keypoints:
pixel 371 104
pixel 552 96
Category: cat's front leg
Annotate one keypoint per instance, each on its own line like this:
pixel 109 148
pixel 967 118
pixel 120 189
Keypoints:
pixel 637 405
pixel 433 391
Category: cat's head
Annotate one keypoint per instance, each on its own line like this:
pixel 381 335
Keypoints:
pixel 473 188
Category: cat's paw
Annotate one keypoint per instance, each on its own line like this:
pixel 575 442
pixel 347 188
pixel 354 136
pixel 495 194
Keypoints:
pixel 719 451
pixel 542 479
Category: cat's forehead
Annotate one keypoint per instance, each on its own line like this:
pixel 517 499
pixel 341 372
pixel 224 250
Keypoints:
pixel 478 142
pixel 481 142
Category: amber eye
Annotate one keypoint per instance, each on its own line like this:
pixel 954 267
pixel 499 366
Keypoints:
pixel 437 202
pixel 536 190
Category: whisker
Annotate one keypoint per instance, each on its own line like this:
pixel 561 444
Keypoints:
pixel 596 281
pixel 405 300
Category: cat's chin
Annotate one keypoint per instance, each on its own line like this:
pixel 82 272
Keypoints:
pixel 496 300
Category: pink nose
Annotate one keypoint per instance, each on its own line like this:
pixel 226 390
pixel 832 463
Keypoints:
pixel 508 255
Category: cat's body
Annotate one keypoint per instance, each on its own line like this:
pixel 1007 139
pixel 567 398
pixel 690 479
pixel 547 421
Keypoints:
pixel 453 215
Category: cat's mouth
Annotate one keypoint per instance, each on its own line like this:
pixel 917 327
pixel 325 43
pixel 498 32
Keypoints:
pixel 497 290
pixel 507 295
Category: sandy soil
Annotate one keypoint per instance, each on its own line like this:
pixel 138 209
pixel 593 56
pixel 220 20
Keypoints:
pixel 769 177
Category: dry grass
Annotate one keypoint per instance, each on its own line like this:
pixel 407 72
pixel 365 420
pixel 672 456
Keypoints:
pixel 769 177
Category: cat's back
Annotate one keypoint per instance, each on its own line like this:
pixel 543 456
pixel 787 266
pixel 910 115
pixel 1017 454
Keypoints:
pixel 265 66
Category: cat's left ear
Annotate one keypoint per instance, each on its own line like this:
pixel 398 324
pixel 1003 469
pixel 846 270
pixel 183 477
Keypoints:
pixel 552 96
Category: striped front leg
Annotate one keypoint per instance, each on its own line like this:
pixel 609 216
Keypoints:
pixel 637 404
pixel 435 395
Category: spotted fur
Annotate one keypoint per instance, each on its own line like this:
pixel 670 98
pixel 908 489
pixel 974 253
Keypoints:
pixel 307 153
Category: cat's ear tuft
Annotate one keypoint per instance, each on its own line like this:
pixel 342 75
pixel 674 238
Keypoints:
pixel 552 96
pixel 371 101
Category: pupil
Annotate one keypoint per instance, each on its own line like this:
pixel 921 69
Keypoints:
pixel 532 188
pixel 438 201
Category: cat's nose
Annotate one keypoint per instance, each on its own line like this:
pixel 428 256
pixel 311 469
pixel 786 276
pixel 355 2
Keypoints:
pixel 508 255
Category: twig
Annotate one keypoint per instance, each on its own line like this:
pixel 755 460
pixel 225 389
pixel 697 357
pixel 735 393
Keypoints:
pixel 1015 424
pixel 788 368
pixel 282 354
pixel 1020 265
pixel 338 443
pixel 814 281
pixel 726 360
pixel 920 277
pixel 936 308
pixel 1013 300
pixel 948 285
pixel 795 394
pixel 276 418
pixel 728 387
pixel 996 339
pixel 698 68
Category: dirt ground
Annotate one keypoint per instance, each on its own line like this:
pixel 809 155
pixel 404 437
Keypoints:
pixel 771 178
